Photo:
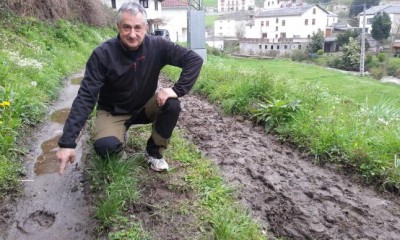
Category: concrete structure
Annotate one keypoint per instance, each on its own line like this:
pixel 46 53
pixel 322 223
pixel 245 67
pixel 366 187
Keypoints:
pixel 272 4
pixel 235 5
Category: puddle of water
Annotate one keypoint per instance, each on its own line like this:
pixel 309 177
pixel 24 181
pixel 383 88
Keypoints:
pixel 47 162
pixel 60 116
pixel 76 81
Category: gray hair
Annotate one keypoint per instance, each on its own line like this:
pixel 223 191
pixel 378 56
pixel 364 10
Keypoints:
pixel 133 8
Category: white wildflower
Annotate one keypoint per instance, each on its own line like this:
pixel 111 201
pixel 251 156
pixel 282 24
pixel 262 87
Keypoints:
pixel 34 83
pixel 382 121
pixel 24 62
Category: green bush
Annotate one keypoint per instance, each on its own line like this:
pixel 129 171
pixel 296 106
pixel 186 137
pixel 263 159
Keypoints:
pixel 382 57
pixel 370 61
pixel 335 62
pixel 351 55
pixel 298 55
pixel 393 69
pixel 320 52
pixel 377 72
pixel 397 73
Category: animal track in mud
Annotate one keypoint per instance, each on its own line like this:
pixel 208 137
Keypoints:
pixel 37 221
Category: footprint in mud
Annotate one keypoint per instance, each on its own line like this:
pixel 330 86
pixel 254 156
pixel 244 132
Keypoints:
pixel 37 221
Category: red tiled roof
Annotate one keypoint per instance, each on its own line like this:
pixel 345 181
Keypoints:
pixel 174 3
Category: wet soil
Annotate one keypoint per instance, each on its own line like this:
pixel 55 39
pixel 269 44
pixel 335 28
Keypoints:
pixel 284 190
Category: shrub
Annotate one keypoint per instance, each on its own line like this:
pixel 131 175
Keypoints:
pixel 377 72
pixel 320 52
pixel 393 69
pixel 369 61
pixel 382 57
pixel 351 55
pixel 335 62
pixel 298 55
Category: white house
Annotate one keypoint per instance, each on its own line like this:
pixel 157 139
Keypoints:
pixel 272 4
pixel 283 30
pixel 174 17
pixel 285 23
pixel 235 5
pixel 392 11
pixel 332 19
pixel 232 25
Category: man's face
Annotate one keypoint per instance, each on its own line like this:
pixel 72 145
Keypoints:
pixel 132 30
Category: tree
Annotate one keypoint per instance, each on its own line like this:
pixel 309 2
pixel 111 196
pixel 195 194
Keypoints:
pixel 317 42
pixel 343 37
pixel 356 6
pixel 381 26
pixel 351 55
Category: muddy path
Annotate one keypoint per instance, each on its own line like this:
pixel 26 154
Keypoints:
pixel 51 206
pixel 283 189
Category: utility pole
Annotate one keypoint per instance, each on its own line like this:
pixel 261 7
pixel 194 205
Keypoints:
pixel 362 55
pixel 196 28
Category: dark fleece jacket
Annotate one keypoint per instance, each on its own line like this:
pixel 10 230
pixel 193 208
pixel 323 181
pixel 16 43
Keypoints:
pixel 121 81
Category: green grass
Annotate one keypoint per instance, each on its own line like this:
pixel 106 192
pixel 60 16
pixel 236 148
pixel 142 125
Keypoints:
pixel 210 19
pixel 210 3
pixel 342 118
pixel 214 208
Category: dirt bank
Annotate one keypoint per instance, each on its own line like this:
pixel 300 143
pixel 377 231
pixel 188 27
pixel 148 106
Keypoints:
pixel 288 194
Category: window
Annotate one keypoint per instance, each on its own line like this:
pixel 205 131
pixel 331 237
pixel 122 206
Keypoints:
pixel 314 11
pixel 259 46
pixel 369 21
pixel 285 46
pixel 277 47
pixel 262 23
pixel 276 28
pixel 313 22
pixel 308 36
pixel 283 22
pixel 306 22
pixel 283 35
pixel 272 47
pixel 276 35
pixel 156 5
pixel 266 47
pixel 144 3
pixel 264 35
pixel 277 20
pixel 267 23
pixel 299 47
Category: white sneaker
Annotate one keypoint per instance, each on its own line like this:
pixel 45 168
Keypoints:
pixel 157 164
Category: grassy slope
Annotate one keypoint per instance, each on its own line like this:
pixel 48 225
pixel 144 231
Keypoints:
pixel 338 117
pixel 34 58
pixel 359 89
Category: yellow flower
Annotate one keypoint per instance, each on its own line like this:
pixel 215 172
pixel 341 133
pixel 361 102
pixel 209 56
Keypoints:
pixel 5 104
